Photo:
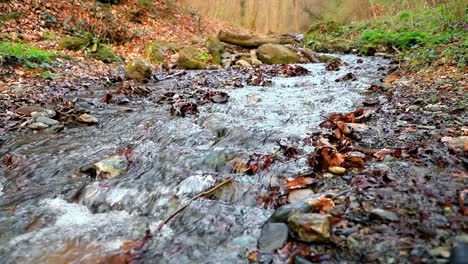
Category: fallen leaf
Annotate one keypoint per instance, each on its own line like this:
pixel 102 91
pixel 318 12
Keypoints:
pixel 299 183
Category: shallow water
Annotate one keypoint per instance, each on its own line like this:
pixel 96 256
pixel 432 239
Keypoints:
pixel 175 159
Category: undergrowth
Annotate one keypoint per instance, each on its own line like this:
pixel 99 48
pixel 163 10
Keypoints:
pixel 24 54
pixel 419 38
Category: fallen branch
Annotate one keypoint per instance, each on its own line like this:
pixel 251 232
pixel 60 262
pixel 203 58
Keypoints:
pixel 203 194
pixel 171 76
pixel 253 41
pixel 312 56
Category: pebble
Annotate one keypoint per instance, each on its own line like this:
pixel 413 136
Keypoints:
pixel 38 126
pixel 255 99
pixel 47 121
pixel 87 119
pixel 384 215
pixel 300 195
pixel 273 236
pixel 337 170
pixel 282 214
pixel 110 167
pixel 432 108
pixel 310 227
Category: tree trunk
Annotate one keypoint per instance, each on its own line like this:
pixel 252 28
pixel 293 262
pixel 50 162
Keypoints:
pixel 253 41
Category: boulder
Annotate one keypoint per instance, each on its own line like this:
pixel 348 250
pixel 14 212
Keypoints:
pixel 328 58
pixel 73 43
pixel 276 54
pixel 243 63
pixel 273 236
pixel 186 61
pixel 310 227
pixel 154 53
pixel 215 48
pixel 138 70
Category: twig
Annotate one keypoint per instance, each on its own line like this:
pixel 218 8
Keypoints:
pixel 203 194
pixel 171 76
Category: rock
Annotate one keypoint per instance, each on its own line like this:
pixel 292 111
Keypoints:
pixel 197 40
pixel 300 195
pixel 154 53
pixel 413 108
pixel 243 63
pixel 327 58
pixel 433 108
pixel 276 54
pixel 226 55
pixel 27 110
pixel 337 170
pixel 226 62
pixel 215 48
pixel 310 227
pixel 282 214
pixel 37 126
pixel 357 126
pixel 105 54
pixel 230 193
pixel 456 143
pixel 47 121
pixel 138 70
pixel 273 236
pixel 212 67
pixel 301 260
pixel 87 119
pixel 186 61
pixel 195 184
pixel 440 252
pixel 73 43
pixel 110 167
pixel 384 215
pixel 54 129
pixel 256 61
pixel 459 254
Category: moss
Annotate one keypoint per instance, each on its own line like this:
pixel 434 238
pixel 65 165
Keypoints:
pixel 276 54
pixel 326 58
pixel 105 54
pixel 154 53
pixel 186 60
pixel 215 48
pixel 73 43
pixel 24 54
pixel 139 70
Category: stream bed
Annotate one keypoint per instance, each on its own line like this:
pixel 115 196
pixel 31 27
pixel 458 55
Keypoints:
pixel 50 213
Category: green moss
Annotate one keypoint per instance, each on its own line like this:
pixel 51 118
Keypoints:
pixel 215 48
pixel 24 54
pixel 138 70
pixel 154 53
pixel 105 54
pixel 73 43
pixel 187 60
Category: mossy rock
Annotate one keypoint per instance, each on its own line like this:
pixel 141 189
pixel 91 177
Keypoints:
pixel 138 70
pixel 154 53
pixel 106 55
pixel 276 54
pixel 186 60
pixel 215 48
pixel 73 43
pixel 328 58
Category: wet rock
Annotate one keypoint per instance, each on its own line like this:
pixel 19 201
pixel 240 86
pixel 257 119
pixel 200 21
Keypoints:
pixel 47 121
pixel 54 129
pixel 27 110
pixel 154 53
pixel 87 119
pixel 110 167
pixel 328 58
pixel 195 184
pixel 273 236
pixel 337 170
pixel 226 62
pixel 440 252
pixel 276 54
pixel 230 193
pixel 215 48
pixel 433 108
pixel 138 70
pixel 282 214
pixel 243 63
pixel 301 260
pixel 212 67
pixel 459 254
pixel 38 126
pixel 254 99
pixel 187 61
pixel 456 143
pixel 413 108
pixel 219 99
pixel 300 195
pixel 256 61
pixel 384 215
pixel 310 227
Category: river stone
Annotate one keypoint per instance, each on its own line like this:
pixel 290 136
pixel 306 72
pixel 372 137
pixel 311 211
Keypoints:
pixel 276 54
pixel 195 184
pixel 301 260
pixel 215 48
pixel 87 119
pixel 456 143
pixel 272 236
pixel 384 215
pixel 328 58
pixel 186 60
pixel 256 61
pixel 459 254
pixel 38 126
pixel 243 63
pixel 300 195
pixel 110 167
pixel 230 193
pixel 138 70
pixel 337 170
pixel 47 121
pixel 282 214
pixel 27 110
pixel 440 252
pixel 310 227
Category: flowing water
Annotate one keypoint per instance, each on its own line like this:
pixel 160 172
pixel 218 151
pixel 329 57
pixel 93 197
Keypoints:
pixel 49 213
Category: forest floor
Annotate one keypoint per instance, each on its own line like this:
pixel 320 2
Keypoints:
pixel 405 185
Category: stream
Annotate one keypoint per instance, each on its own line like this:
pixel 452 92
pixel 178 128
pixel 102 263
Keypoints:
pixel 50 213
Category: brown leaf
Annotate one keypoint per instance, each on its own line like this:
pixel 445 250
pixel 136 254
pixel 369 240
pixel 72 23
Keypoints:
pixel 392 78
pixel 380 155
pixel 299 183
pixel 461 201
